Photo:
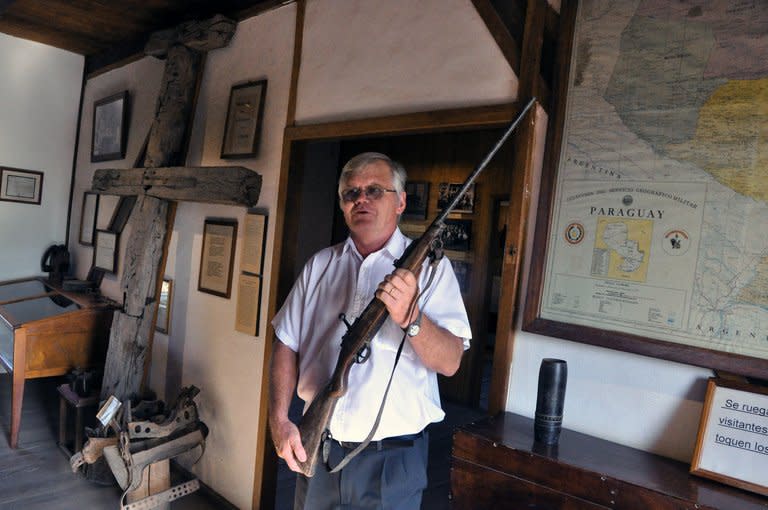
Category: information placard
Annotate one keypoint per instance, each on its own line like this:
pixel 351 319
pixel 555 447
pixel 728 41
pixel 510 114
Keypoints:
pixel 732 445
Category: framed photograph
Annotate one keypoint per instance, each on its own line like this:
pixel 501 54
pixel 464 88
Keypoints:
pixel 416 198
pixel 218 257
pixel 88 219
pixel 25 186
pixel 163 321
pixel 633 248
pixel 244 116
pixel 462 271
pixel 732 445
pixel 105 252
pixel 110 127
pixel 447 191
pixel 457 235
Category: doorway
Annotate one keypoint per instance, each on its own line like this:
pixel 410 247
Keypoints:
pixel 433 160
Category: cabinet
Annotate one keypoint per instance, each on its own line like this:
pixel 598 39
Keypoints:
pixel 45 331
pixel 495 464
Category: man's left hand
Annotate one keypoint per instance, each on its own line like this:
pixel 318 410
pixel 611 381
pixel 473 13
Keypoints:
pixel 397 292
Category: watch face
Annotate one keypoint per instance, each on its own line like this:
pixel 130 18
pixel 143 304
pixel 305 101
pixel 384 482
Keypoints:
pixel 413 329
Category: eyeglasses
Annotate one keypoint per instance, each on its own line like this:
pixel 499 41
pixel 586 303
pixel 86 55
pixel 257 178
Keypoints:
pixel 372 192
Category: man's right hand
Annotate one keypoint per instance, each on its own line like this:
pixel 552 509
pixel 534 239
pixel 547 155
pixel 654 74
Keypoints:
pixel 287 441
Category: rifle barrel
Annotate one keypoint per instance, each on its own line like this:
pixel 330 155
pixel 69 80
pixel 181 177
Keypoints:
pixel 484 162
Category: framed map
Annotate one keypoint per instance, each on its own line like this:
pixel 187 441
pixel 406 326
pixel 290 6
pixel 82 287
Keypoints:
pixel 651 235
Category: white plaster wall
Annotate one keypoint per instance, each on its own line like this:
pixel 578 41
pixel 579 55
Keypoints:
pixel 365 58
pixel 142 81
pixel 39 98
pixel 224 363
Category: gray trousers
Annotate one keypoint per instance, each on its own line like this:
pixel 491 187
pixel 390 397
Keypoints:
pixel 391 478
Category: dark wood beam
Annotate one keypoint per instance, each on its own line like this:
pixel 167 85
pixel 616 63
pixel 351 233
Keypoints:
pixel 509 46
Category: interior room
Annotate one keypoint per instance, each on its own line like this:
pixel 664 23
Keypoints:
pixel 168 168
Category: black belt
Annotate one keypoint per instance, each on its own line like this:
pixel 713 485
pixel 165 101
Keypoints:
pixel 387 443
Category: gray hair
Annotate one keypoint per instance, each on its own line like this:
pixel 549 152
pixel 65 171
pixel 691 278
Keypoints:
pixel 358 162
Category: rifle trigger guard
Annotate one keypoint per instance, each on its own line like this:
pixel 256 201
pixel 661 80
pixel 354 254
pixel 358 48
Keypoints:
pixel 363 354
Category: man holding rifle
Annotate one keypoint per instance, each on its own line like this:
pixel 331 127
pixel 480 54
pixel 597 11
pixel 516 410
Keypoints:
pixel 427 310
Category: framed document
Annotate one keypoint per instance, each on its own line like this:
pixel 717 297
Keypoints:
pixel 248 304
pixel 110 128
pixel 25 186
pixel 217 258
pixel 105 254
pixel 254 238
pixel 88 218
pixel 163 322
pixel 244 116
pixel 650 232
pixel 732 445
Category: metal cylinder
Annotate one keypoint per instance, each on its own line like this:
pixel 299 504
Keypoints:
pixel 553 376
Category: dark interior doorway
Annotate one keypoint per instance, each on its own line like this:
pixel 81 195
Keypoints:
pixel 313 221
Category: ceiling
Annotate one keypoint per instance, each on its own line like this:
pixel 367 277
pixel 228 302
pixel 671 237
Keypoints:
pixel 108 31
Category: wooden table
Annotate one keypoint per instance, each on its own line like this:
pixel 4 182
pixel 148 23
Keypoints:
pixel 45 331
pixel 496 464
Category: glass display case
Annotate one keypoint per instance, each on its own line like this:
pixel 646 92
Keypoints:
pixel 45 331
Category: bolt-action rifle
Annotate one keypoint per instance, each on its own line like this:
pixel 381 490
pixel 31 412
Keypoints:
pixel 355 344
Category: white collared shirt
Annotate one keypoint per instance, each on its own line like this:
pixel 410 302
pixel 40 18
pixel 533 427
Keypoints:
pixel 338 280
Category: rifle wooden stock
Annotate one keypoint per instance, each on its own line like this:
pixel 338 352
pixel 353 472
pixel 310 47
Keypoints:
pixel 315 421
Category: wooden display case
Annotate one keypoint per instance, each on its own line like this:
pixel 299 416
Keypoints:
pixel 45 331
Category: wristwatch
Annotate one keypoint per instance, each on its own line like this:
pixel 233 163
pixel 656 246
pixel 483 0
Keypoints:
pixel 414 327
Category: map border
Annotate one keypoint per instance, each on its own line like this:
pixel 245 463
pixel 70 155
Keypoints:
pixel 532 319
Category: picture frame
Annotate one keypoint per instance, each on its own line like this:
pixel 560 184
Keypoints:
pixel 110 128
pixel 88 218
pixel 462 270
pixel 457 235
pixel 732 444
pixel 447 191
pixel 416 199
pixel 217 257
pixel 663 311
pixel 245 111
pixel 254 241
pixel 23 186
pixel 105 253
pixel 164 307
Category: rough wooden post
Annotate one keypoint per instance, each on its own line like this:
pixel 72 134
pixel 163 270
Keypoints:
pixel 130 338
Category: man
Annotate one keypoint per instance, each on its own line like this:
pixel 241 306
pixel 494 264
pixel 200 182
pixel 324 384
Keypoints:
pixel 391 472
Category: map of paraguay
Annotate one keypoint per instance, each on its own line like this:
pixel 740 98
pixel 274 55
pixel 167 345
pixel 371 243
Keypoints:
pixel 671 92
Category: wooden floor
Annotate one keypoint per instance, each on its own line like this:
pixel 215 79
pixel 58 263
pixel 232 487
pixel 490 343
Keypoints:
pixel 37 476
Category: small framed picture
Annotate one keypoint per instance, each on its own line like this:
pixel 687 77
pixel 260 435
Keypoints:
pixel 110 127
pixel 163 322
pixel 218 257
pixel 88 218
pixel 462 271
pixel 105 253
pixel 447 193
pixel 457 235
pixel 25 186
pixel 416 198
pixel 732 447
pixel 244 117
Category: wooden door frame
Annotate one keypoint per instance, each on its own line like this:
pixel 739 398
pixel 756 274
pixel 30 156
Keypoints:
pixel 474 118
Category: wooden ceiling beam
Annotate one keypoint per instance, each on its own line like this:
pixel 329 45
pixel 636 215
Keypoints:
pixel 509 46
